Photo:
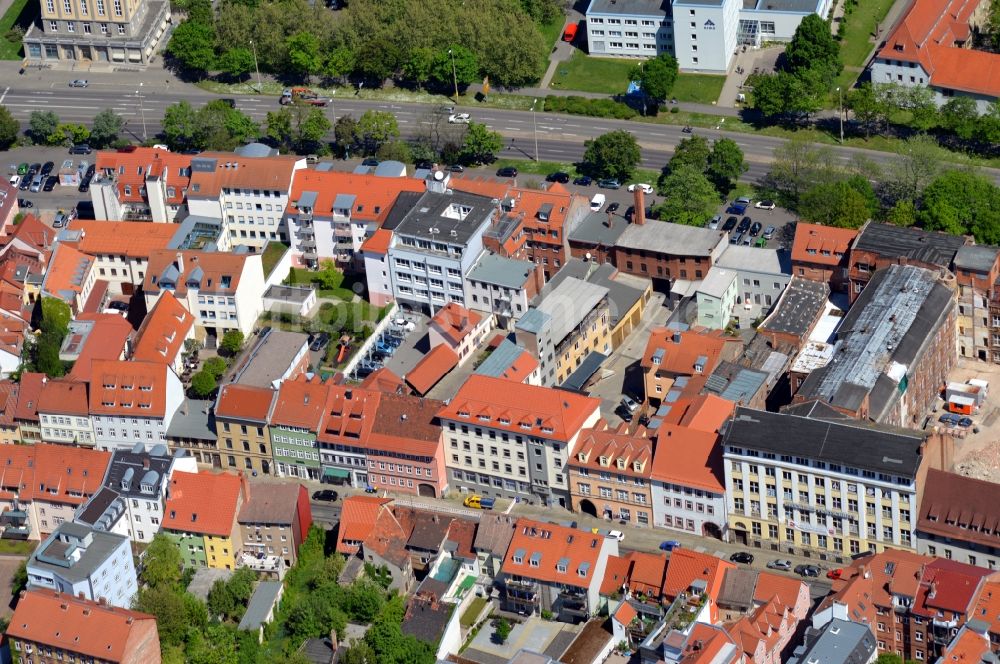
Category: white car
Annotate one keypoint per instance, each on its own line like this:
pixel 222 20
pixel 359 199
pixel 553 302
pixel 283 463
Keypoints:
pixel 14 180
pixel 646 189
pixel 458 118
pixel 764 205
pixel 616 535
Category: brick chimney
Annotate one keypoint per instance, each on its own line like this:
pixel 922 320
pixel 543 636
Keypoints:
pixel 639 215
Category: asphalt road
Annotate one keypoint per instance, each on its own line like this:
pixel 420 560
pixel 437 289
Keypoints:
pixel 559 137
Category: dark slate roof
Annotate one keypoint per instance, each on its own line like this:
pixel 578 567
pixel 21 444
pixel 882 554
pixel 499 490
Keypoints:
pixel 429 531
pixel 624 290
pixel 852 445
pixel 136 460
pixel 590 365
pixel 737 588
pixel 593 229
pixel 95 508
pixel 426 620
pixel 431 220
pixel 816 409
pixel 405 201
pixel 734 382
pixel 898 242
pixel 494 532
pixel 977 258
pixel 797 308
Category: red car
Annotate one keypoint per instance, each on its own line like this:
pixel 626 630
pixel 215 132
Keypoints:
pixel 834 574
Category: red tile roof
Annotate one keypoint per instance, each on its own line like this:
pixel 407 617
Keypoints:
pixel 648 573
pixel 77 625
pixel 32 233
pixel 136 239
pixel 688 457
pixel 702 412
pixel 625 613
pixel 785 588
pixel 521 368
pixel 205 503
pixel 961 508
pixel 577 549
pixel 384 380
pixel 615 574
pixel 131 166
pixel 8 402
pixel 357 518
pixel 613 446
pixel 374 196
pixel 301 403
pixel 234 171
pixel 161 336
pixel 128 388
pixel 987 607
pixel 63 397
pixel 455 322
pixel 244 402
pixel 32 470
pixel 107 341
pixel 818 244
pixel 763 633
pixel 67 273
pixel 378 243
pixel 678 351
pixel 968 646
pixel 431 369
pixel 27 398
pixel 521 408
pixel 350 419
pixel 687 566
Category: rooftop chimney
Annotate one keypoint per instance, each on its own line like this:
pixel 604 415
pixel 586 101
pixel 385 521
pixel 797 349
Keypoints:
pixel 611 219
pixel 639 215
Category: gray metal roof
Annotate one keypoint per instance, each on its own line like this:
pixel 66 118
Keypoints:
pixel 849 444
pixel 390 169
pixel 664 237
pixel 500 271
pixel 569 303
pixel 533 321
pixel 194 420
pixel 657 8
pixel 896 242
pixel 977 258
pixel 261 602
pixel 270 357
pixel 307 200
pixel 344 202
pixel 296 294
pixel 735 383
pixel 798 307
pixel 256 150
pixel 590 365
pixel 56 553
pixel 837 642
pixel 717 282
pixel 449 218
pixel 594 230
pixel 500 359
pixel 755 259
pixel 793 6
pixel 624 290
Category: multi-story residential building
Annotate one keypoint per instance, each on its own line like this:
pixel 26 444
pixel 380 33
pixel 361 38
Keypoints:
pixel 931 47
pixel 703 36
pixel 460 329
pixel 977 270
pixel 676 352
pixel 957 521
pixel 375 257
pixel 503 287
pixel 26 410
pixel 819 253
pixel 131 500
pixel 132 401
pixel 891 362
pixel 121 249
pixel 553 568
pixel 609 476
pixel 296 417
pixel 513 440
pixel 163 333
pixel 223 291
pixel 880 245
pixel 836 640
pixel 84 562
pixel 434 245
pixel 64 413
pixel 565 327
pixel 833 489
pixel 141 184
pixel 547 217
pixel 122 32
pixel 247 189
pixel 761 275
pixel 668 253
pixel 95 336
pixel 405 446
pixel 330 214
pixel 241 417
pixel 275 521
pixel 688 486
pixel 201 516
pixel 70 277
pixel 913 604
pixel 716 297
pixel 510 361
pixel 47 483
pixel 348 419
pixel 193 431
pixel 88 631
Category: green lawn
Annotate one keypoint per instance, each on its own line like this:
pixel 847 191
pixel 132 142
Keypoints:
pixel 857 42
pixel 698 88
pixel 552 31
pixel 586 74
pixel 17 547
pixel 21 12
pixel 468 618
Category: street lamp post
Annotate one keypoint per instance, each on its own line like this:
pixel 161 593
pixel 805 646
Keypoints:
pixel 454 73
pixel 333 109
pixel 260 87
pixel 840 95
pixel 142 111
pixel 534 127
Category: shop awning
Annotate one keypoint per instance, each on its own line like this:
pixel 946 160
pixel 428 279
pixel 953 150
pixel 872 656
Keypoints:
pixel 336 472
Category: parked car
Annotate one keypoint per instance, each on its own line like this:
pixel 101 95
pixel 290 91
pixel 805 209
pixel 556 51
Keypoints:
pixel 629 403
pixel 730 224
pixel 629 213
pixel 646 189
pixel 25 203
pixel 22 169
pixel 608 183
pixel 47 168
pixel 80 148
pixel 764 205
pixel 736 208
pixel 456 168
pixel 326 495
pixel 743 557
pixel 624 413
pixel 744 226
pixel 613 534
pixel 736 238
pixel 613 207
pixel 50 183
pixel 507 172
pixel 459 118
pixel 228 101
pixel 769 232
pixel 755 228
pixel 807 570
pixel 669 545
pixel 949 419
pixel 321 340
pixel 584 181
pixel 84 186
pixel 370 161
pixel 35 169
pixel 558 176
pixel 714 222
pixel 780 563
pixel 78 83
pixel 965 422
pixel 61 220
pixel 14 180
pixel 834 574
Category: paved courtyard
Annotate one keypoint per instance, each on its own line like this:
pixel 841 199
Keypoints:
pixel 532 634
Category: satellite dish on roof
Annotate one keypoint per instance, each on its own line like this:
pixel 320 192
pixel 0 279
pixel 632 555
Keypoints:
pixel 438 175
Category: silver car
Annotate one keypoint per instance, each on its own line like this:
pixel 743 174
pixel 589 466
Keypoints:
pixel 79 83
pixel 780 563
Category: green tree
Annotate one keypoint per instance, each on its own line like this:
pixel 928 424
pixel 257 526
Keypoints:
pixel 691 152
pixel 501 630
pixel 19 580
pixel 798 165
pixel 304 57
pixel 215 366
pixel 359 653
pixel 9 129
pixel 217 126
pixel 870 107
pixel 339 62
pixel 725 165
pixel 962 202
pixel 192 45
pixel 918 162
pixel 920 102
pixel 903 213
pixel 480 144
pixel 418 65
pixel 161 563
pixel 345 132
pixel 203 384
pixel 612 155
pixel 656 76
pixel 67 133
pixel 171 613
pixel 375 128
pixel 41 125
pixel 786 94
pixel 236 62
pixel 395 150
pixel 814 48
pixel 107 127
pixel 960 115
pixel 364 601
pixel 298 128
pixel 466 67
pixel 56 316
pixel 179 125
pixel 688 197
pixel 834 204
pixel 863 186
pixel 220 600
pixel 232 342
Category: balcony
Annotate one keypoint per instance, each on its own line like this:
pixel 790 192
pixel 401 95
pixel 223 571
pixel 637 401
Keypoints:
pixel 305 232
pixel 260 562
pixel 305 221
pixel 309 245
pixel 521 584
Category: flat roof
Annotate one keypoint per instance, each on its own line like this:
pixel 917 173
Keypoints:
pixel 658 8
pixel 452 218
pixel 896 241
pixel 193 420
pixel 55 554
pixel 271 357
pixel 569 303
pixel 979 258
pixel 261 602
pixel 593 229
pixel 665 237
pixel 296 294
pixel 717 282
pixel 624 290
pixel 756 259
pixel 798 307
pixel 501 271
pixel 793 6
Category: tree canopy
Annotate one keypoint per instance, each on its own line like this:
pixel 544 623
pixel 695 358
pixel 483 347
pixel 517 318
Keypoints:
pixel 612 155
pixel 962 203
pixel 688 197
pixel 656 76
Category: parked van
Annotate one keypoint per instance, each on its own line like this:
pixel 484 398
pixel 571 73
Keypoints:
pixel 36 184
pixel 570 34
pixel 597 202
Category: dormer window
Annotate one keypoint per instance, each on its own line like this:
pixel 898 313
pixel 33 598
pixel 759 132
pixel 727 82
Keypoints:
pixel 518 560
pixel 637 466
pixel 621 463
pixel 603 461
pixel 463 413
pixel 561 568
pixel 504 420
pixel 546 429
pixel 484 418
pixel 582 456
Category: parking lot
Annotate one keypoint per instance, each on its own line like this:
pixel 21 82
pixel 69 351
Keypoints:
pixel 399 348
pixel 45 204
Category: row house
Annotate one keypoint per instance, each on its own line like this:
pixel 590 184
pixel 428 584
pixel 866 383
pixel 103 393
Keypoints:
pixel 547 217
pixel 72 278
pixel 140 184
pixel 41 485
pixel 891 362
pixel 330 214
pixel 760 275
pixel 957 519
pixel 460 329
pixel 87 563
pixel 201 516
pixel 977 271
pixel 273 523
pixel 242 413
pixel 820 253
pixel 676 352
pixel 120 249
pixel 132 497
pixel 247 189
pixel 554 568
pixel 88 631
pixel 132 401
pixel 223 291
pixel 64 413
pixel 95 336
pixel 503 287
pixel 672 255
pixel 26 410
pixel 513 440
pixel 609 475
pixel 688 487
pixel 565 327
pixel 296 418
pixel 164 333
pixel 832 489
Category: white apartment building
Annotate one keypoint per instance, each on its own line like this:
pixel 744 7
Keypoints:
pixel 132 402
pixel 829 489
pixel 140 184
pixel 64 413
pixel 513 440
pixel 120 249
pixel 761 277
pixel 501 286
pixel 688 493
